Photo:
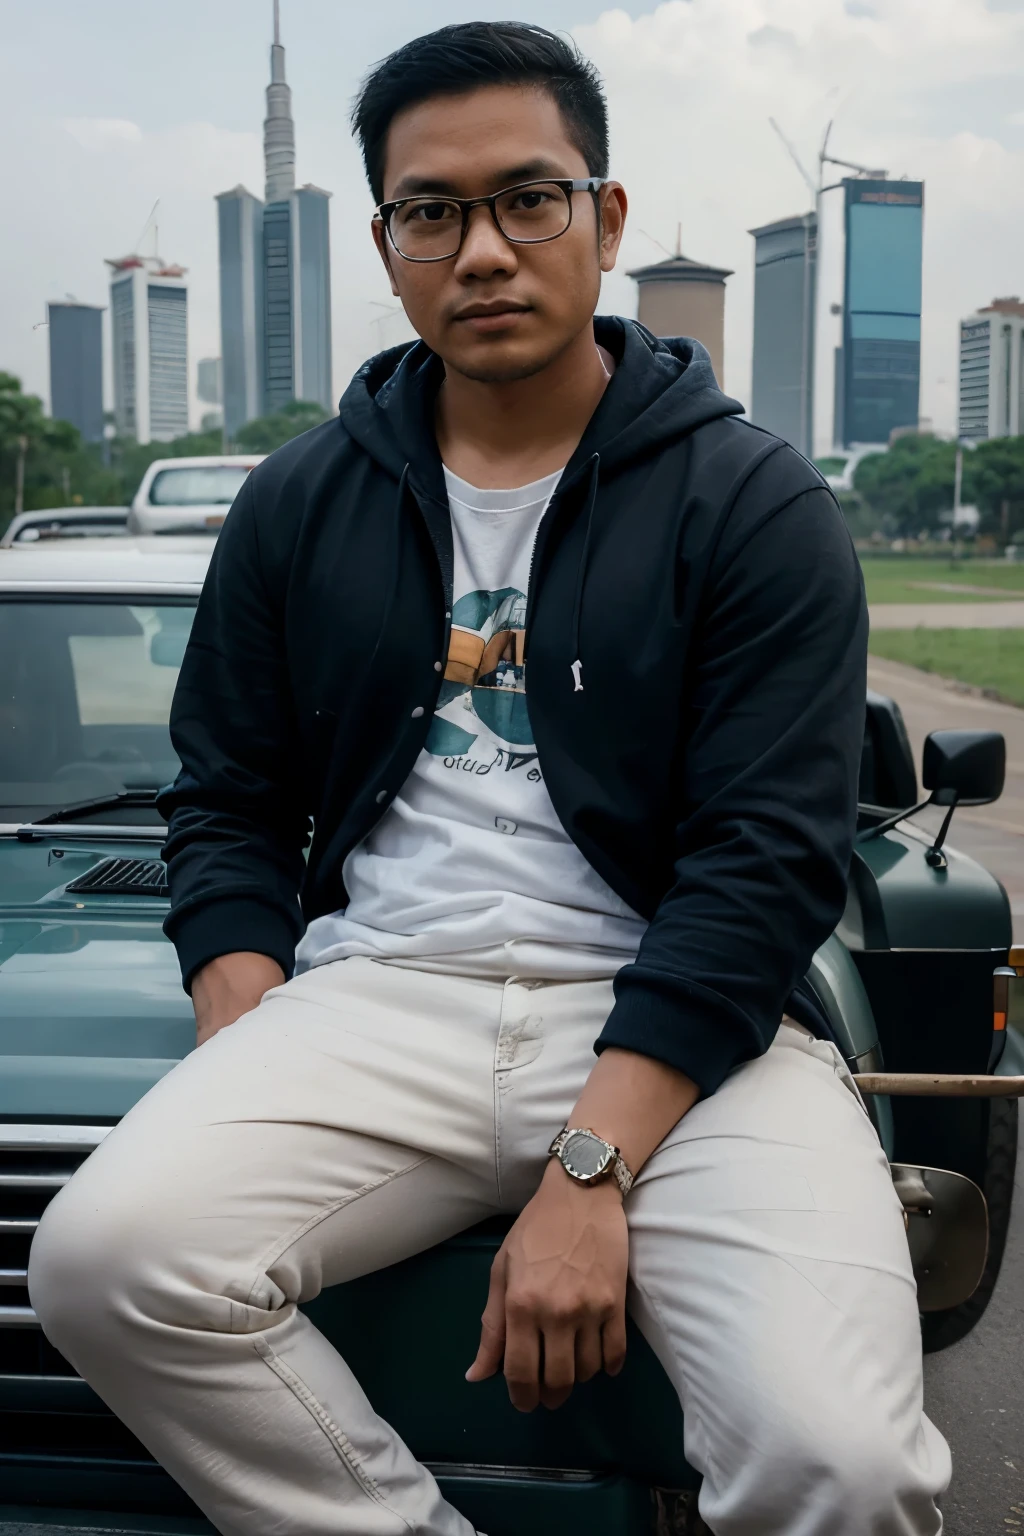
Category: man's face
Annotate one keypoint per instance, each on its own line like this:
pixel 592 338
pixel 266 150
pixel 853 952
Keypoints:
pixel 497 311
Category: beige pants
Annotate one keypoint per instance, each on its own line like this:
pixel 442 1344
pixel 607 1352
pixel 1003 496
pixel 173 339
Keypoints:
pixel 364 1112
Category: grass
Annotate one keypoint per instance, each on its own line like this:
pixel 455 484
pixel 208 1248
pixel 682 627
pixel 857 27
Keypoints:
pixel 986 658
pixel 896 580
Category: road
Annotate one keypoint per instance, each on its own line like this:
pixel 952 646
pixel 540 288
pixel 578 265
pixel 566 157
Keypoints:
pixel 975 1390
pixel 993 615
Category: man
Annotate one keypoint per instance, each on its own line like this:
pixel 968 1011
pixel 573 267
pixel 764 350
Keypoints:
pixel 566 664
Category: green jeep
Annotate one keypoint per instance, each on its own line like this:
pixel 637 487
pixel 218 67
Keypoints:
pixel 919 986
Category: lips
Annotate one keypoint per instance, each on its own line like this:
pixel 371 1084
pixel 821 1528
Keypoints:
pixel 484 318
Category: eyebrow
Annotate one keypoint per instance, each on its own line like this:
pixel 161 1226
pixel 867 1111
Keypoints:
pixel 529 170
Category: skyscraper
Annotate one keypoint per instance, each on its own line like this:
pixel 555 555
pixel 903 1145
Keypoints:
pixel 680 297
pixel 149 335
pixel 240 238
pixel 275 281
pixel 992 371
pixel 76 367
pixel 881 356
pixel 782 394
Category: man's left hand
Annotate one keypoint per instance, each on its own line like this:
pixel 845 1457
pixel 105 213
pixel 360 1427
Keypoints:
pixel 556 1308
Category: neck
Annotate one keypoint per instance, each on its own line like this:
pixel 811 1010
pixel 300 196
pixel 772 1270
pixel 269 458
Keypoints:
pixel 498 436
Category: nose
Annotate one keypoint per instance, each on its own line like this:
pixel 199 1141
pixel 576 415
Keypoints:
pixel 485 252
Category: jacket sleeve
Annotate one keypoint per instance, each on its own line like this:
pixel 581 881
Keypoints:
pixel 766 785
pixel 237 825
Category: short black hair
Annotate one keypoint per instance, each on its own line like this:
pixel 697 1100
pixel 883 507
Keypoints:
pixel 474 53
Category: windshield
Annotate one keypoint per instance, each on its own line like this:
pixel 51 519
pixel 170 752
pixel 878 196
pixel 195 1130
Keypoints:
pixel 203 485
pixel 85 697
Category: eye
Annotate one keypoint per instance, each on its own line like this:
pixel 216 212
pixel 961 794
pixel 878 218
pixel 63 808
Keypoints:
pixel 529 200
pixel 428 213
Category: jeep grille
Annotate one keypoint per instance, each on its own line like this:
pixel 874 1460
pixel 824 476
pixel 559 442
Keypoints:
pixel 35 1161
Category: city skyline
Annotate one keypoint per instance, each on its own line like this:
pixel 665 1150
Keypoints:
pixel 932 96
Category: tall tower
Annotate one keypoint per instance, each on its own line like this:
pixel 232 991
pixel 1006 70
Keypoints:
pixel 278 128
pixel 76 367
pixel 149 331
pixel 782 392
pixel 881 353
pixel 275 283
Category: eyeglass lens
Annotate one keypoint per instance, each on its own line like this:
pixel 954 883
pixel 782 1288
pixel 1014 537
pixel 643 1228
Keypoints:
pixel 431 227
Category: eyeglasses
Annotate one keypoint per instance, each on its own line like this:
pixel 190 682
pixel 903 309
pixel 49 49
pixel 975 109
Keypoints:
pixel 433 228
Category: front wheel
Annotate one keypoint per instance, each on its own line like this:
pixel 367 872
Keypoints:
pixel 940 1329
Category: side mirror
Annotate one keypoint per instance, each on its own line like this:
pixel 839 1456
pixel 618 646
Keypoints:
pixel 964 767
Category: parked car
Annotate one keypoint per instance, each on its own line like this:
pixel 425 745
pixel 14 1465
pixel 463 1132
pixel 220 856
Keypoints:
pixel 65 523
pixel 189 495
pixel 92 1014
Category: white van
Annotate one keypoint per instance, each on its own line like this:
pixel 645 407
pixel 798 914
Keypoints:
pixel 189 495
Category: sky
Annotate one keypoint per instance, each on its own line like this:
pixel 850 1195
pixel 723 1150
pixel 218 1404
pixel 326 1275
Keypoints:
pixel 107 107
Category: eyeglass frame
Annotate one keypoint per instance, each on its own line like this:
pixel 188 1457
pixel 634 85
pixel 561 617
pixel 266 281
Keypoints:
pixel 568 184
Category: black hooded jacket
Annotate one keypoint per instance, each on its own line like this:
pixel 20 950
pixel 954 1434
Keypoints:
pixel 699 571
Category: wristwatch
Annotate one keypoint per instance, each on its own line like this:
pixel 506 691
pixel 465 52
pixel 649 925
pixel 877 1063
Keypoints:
pixel 588 1159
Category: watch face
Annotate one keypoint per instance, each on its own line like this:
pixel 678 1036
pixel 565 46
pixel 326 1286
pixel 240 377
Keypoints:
pixel 585 1156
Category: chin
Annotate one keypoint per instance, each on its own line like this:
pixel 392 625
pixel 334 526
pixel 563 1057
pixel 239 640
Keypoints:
pixel 499 368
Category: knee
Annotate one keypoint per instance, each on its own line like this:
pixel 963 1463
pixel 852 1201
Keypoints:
pixel 80 1258
pixel 105 1263
pixel 860 1463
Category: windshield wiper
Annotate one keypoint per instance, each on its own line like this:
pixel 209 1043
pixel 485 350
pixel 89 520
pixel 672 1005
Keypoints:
pixel 127 797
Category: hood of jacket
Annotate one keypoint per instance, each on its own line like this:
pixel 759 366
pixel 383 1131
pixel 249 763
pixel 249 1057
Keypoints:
pixel 662 388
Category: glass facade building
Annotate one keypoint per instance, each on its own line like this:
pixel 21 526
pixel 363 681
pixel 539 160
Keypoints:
pixel 149 334
pixel 782 393
pixel 240 243
pixel 76 367
pixel 881 358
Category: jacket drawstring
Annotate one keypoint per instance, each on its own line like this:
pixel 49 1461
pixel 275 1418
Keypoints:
pixel 581 574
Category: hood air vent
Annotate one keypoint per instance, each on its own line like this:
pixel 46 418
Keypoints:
pixel 123 877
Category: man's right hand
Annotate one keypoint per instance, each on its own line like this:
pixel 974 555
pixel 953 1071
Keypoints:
pixel 229 986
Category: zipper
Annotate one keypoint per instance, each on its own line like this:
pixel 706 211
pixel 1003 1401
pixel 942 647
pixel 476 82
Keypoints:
pixel 543 528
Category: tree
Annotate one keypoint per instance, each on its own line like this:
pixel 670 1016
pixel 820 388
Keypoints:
pixel 30 444
pixel 269 432
pixel 907 487
pixel 994 482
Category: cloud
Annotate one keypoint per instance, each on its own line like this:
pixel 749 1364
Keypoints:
pixel 100 133
pixel 691 86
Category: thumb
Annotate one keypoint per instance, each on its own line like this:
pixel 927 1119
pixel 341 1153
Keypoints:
pixel 490 1353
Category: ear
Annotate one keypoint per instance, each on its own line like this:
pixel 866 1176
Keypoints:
pixel 613 208
pixel 380 240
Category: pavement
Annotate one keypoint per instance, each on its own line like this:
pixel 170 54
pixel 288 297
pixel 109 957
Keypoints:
pixel 985 615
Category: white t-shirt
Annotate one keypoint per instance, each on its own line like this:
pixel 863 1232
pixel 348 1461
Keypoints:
pixel 470 868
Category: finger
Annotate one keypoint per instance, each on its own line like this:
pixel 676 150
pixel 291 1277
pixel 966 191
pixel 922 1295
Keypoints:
pixel 558 1368
pixel 589 1352
pixel 613 1343
pixel 491 1349
pixel 522 1360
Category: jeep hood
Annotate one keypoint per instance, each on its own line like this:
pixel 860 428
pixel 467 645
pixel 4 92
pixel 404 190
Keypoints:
pixel 92 1012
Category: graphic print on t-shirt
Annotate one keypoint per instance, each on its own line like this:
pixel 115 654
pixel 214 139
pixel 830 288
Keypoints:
pixel 482 703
